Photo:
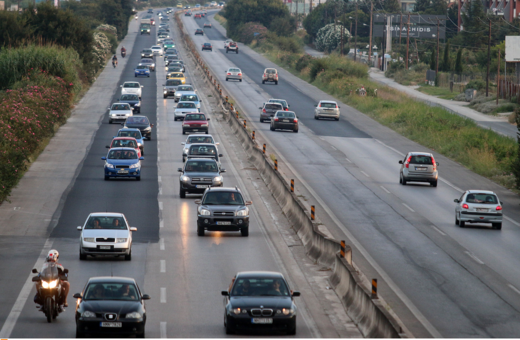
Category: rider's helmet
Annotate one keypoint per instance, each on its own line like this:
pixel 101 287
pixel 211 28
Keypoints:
pixel 53 256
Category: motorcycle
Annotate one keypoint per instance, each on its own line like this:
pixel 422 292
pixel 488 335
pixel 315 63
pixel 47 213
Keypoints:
pixel 49 289
pixel 123 54
pixel 114 63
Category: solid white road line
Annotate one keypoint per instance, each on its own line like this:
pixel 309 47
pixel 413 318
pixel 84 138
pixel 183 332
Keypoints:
pixel 334 148
pixel 348 160
pixel 514 288
pixel 385 189
pixel 163 266
pixel 438 230
pixel 476 259
pixel 364 173
pixel 408 207
pixel 163 295
pixel 512 221
pixel 10 322
pixel 163 329
pixel 161 244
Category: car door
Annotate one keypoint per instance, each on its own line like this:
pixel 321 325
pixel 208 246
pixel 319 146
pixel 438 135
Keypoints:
pixel 459 205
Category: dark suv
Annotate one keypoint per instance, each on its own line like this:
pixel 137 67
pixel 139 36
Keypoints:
pixel 198 175
pixel 223 209
pixel 268 111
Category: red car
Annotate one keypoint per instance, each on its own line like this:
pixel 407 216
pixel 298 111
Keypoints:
pixel 125 142
pixel 197 16
pixel 152 21
pixel 195 122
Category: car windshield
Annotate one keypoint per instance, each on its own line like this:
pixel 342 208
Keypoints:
pixel 175 69
pixel 185 88
pixel 124 143
pixel 482 198
pixel 129 97
pixel 207 44
pixel 200 139
pixel 146 61
pixel 137 120
pixel 122 154
pixel 260 287
pixel 177 75
pixel 134 134
pixel 281 102
pixel 190 98
pixel 285 114
pixel 131 85
pixel 120 107
pixel 223 198
pixel 204 150
pixel 195 117
pixel 147 51
pixel 172 57
pixel 201 166
pixel 142 67
pixel 273 106
pixel 106 222
pixel 328 105
pixel 111 291
pixel 427 160
pixel 186 105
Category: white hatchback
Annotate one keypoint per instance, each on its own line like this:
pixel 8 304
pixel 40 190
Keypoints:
pixel 132 87
pixel 326 109
pixel 106 234
pixel 157 50
pixel 119 111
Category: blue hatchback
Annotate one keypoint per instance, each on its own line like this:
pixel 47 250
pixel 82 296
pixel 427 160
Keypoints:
pixel 142 70
pixel 135 133
pixel 122 162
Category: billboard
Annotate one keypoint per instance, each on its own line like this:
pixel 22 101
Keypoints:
pixel 512 49
pixel 419 32
pixel 421 26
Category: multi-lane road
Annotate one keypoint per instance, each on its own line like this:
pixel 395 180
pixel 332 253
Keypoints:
pixel 440 279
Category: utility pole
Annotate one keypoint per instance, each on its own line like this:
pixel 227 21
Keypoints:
pixel 401 28
pixel 350 36
pixel 342 27
pixel 296 15
pixel 383 46
pixel 489 55
pixel 407 39
pixel 370 38
pixel 498 76
pixel 355 38
pixel 437 63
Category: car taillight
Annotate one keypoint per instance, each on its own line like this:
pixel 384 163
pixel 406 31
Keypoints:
pixel 263 110
pixel 465 206
pixel 434 164
pixel 229 74
pixel 499 208
pixel 286 109
pixel 265 75
pixel 240 74
pixel 295 120
pixel 276 119
pixel 407 164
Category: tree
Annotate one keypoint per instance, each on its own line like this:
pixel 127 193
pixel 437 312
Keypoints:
pixel 474 20
pixel 421 6
pixel 446 65
pixel 392 6
pixel 283 27
pixel 458 63
pixel 438 7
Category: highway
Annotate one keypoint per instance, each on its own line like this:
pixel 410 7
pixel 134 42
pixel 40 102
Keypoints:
pixel 183 273
pixel 441 280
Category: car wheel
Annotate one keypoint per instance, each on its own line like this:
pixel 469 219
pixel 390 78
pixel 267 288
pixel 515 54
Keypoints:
pixel 182 193
pixel 200 231
pixel 272 128
pixel 434 184
pixel 165 97
pixel 276 83
pixel 293 330
pixel 456 220
pixel 226 51
pixel 296 131
pixel 497 226
pixel 237 51
pixel 336 118
pixel 403 181
pixel 183 159
pixel 150 137
pixel 229 330
pixel 263 81
pixel 129 256
pixel 82 257
pixel 226 79
pixel 138 178
pixel 244 231
pixel 110 121
pixel 207 132
pixel 462 224
pixel 261 120
pixel 106 178
pixel 79 334
pixel 142 152
pixel 136 76
pixel 316 117
pixel 141 335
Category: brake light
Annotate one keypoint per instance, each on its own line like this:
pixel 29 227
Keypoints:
pixel 276 119
pixel 228 74
pixel 407 163
pixel 240 74
pixel 465 206
pixel 295 120
pixel 499 208
pixel 319 106
pixel 286 109
pixel 263 110
pixel 265 75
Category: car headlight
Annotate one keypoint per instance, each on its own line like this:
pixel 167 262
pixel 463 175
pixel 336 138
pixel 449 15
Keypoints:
pixel 165 91
pixel 89 239
pixel 204 212
pixel 243 212
pixel 134 315
pixel 148 129
pixel 183 124
pixel 204 124
pixel 236 311
pixel 88 314
pixel 134 166
pixel 217 179
pixel 185 151
pixel 185 179
pixel 121 240
pixel 139 144
pixel 137 104
pixel 49 285
pixel 108 165
pixel 287 311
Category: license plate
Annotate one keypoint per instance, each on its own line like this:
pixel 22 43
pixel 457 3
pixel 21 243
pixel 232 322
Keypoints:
pixel 201 186
pixel 112 324
pixel 195 130
pixel 286 120
pixel 420 169
pixel 262 321
pixel 482 209
pixel 122 172
pixel 223 223
pixel 104 247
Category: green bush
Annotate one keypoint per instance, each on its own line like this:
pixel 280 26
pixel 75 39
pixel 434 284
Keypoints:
pixel 477 84
pixel 505 108
pixel 303 62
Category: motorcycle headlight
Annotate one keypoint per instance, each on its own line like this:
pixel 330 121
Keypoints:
pixel 134 166
pixel 204 212
pixel 185 179
pixel 108 165
pixel 134 315
pixel 217 179
pixel 49 285
pixel 89 239
pixel 121 240
pixel 88 314
pixel 243 212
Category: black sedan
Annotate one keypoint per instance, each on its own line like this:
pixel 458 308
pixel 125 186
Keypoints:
pixel 284 120
pixel 199 31
pixel 207 46
pixel 110 306
pixel 198 175
pixel 133 100
pixel 139 122
pixel 259 301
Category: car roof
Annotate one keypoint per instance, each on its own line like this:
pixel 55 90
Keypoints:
pixel 129 129
pixel 473 191
pixel 112 214
pixel 120 104
pixel 131 82
pixel 199 159
pixel 224 189
pixel 252 274
pixel 189 93
pixel 417 153
pixel 111 279
pixel 198 135
pixel 122 138
pixel 328 101
pixel 276 99
pixel 273 103
pixel 204 144
pixel 122 149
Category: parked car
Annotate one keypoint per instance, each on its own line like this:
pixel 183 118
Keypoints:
pixel 199 31
pixel 479 206
pixel 232 47
pixel 122 162
pixel 142 70
pixel 110 306
pixel 207 46
pixel 142 123
pixel 133 100
pixel 269 110
pixel 119 111
pixel 284 120
pixel 170 88
pixel 196 139
pixel 195 122
pixel 148 62
pixel 419 167
pixel 270 75
pixel 183 108
pixel 182 89
pixel 326 109
pixel 135 133
pixel 131 87
pixel 125 142
pixel 234 73
pixel 260 301
pixel 222 209
pixel 199 174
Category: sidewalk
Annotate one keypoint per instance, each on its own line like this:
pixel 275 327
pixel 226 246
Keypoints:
pixel 497 124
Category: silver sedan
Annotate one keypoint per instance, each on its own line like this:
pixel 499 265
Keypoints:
pixel 234 73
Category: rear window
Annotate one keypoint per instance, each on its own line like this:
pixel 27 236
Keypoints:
pixel 205 150
pixel 421 160
pixel 328 105
pixel 185 88
pixel 200 139
pixel 138 120
pixel 285 114
pixel 270 71
pixel 201 166
pixel 195 117
pixel 273 106
pixel 482 198
pixel 186 105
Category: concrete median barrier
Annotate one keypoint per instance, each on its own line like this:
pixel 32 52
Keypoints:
pixel 369 314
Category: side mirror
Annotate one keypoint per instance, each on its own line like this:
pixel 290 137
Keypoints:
pixel 249 202
pixel 222 170
pixel 179 169
pixel 142 85
pixel 224 293
pixel 315 105
pixel 261 107
pixel 124 123
pixel 133 229
pixel 437 163
pixel 456 200
pixel 220 155
pixel 79 227
pixel 108 146
pixel 151 125
pixel 36 279
pixel 217 143
pixel 34 271
pixel 502 203
pixel 120 85
pixel 400 162
pixel 66 271
pixel 141 158
pixel 108 108
pixel 339 107
pixel 296 294
pixel 163 84
pixel 77 296
pixel 145 297
pixel 208 118
pixel 198 201
pixel 104 158
pixel 183 143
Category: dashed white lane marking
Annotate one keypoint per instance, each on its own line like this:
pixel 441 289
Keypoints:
pixel 159 179
pixel 333 148
pixel 364 173
pixel 161 224
pixel 161 244
pixel 158 142
pixel 438 230
pixel 163 329
pixel 408 207
pixel 476 259
pixel 160 191
pixel 163 295
pixel 348 160
pixel 158 150
pixel 158 159
pixel 385 189
pixel 514 288
pixel 160 206
pixel 163 266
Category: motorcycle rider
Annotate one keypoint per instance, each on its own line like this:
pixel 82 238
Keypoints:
pixel 123 51
pixel 114 60
pixel 53 256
